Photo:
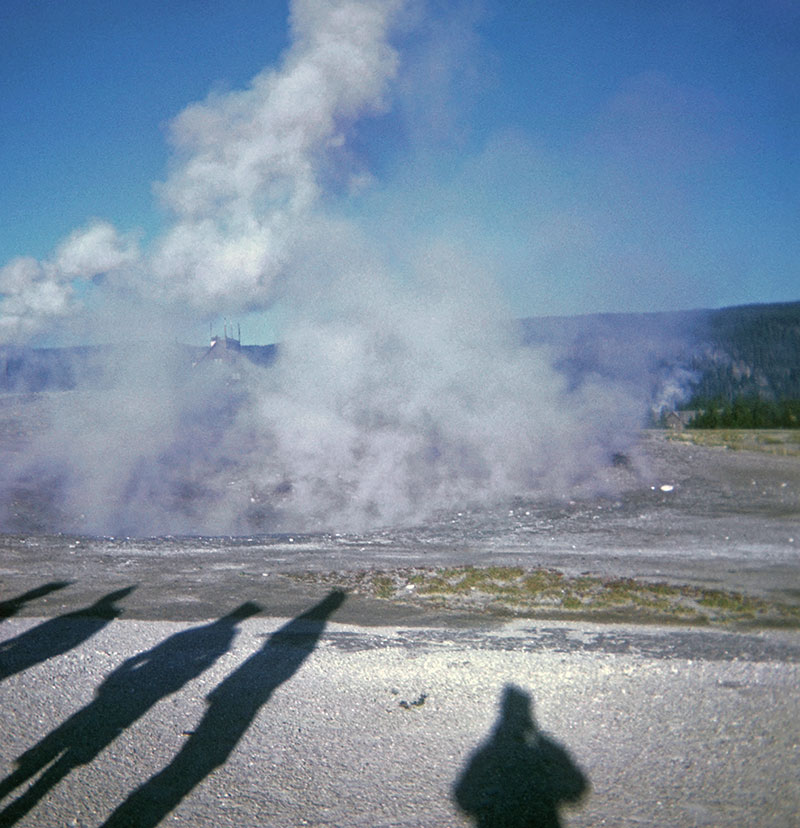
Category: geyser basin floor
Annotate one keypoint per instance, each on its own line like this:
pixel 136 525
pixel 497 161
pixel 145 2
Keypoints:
pixel 730 522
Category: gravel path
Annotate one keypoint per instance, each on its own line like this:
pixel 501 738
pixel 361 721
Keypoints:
pixel 312 722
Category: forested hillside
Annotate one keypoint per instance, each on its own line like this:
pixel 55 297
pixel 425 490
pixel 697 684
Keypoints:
pixel 721 355
pixel 749 351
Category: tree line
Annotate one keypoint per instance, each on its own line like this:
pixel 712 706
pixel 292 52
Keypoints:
pixel 746 412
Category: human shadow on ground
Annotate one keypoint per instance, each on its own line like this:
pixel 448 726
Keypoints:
pixel 57 636
pixel 232 706
pixel 11 606
pixel 125 695
pixel 520 776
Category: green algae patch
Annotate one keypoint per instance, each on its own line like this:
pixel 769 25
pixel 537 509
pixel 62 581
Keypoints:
pixel 547 593
pixel 782 442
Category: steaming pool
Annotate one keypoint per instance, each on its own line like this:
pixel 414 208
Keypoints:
pixel 687 515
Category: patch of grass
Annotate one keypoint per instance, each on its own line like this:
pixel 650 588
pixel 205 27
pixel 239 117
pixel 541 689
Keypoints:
pixel 785 442
pixel 383 587
pixel 505 572
pixel 542 582
pixel 549 593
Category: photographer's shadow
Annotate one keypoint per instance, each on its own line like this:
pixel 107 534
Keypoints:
pixel 520 777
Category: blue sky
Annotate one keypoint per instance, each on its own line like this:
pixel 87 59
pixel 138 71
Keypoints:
pixel 614 156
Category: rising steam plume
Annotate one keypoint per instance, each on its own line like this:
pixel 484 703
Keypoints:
pixel 397 390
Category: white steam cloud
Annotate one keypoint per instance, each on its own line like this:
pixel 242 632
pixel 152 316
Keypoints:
pixel 248 169
pixel 244 182
pixel 395 391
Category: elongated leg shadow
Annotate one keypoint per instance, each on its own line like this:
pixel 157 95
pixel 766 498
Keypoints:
pixel 232 706
pixel 125 695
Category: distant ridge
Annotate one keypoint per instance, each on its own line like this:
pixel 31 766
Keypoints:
pixel 746 350
pixel 28 370
pixel 724 354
